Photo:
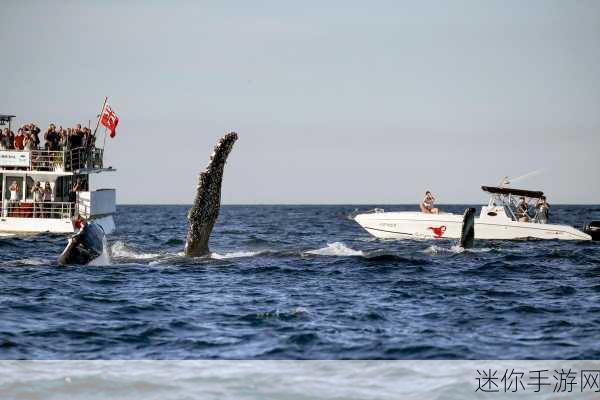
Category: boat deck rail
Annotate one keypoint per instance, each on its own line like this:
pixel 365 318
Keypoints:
pixel 30 209
pixel 71 160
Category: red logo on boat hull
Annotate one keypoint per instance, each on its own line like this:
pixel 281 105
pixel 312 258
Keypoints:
pixel 439 231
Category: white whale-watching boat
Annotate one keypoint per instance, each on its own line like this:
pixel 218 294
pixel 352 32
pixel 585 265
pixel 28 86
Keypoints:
pixel 60 169
pixel 497 220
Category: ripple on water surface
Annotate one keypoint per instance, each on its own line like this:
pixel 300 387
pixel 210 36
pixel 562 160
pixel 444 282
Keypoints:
pixel 298 282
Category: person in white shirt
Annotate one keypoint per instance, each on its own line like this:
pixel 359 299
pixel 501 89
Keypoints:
pixel 15 197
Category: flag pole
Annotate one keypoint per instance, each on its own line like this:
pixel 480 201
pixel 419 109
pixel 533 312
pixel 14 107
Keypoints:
pixel 104 142
pixel 100 116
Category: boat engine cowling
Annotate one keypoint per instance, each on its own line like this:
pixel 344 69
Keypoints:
pixel 593 229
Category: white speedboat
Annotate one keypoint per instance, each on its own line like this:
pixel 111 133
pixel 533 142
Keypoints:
pixel 497 220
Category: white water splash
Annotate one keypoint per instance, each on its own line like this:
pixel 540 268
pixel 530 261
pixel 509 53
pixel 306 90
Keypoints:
pixel 336 249
pixel 235 254
pixel 119 249
pixel 104 258
pixel 295 312
pixel 433 249
pixel 33 261
pixel 456 249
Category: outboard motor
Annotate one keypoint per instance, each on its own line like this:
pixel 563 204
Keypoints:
pixel 593 229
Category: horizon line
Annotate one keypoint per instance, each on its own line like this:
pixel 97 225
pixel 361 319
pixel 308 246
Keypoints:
pixel 338 204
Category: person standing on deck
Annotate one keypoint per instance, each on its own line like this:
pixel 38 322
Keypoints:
pixel 3 136
pixel 38 197
pixel 63 139
pixel 15 197
pixel 543 209
pixel 51 137
pixel 522 210
pixel 73 193
pixel 35 135
pixel 47 206
pixel 8 139
pixel 77 137
pixel 28 142
pixel 19 139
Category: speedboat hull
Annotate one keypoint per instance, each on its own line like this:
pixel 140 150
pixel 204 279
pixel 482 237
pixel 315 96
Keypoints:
pixel 400 225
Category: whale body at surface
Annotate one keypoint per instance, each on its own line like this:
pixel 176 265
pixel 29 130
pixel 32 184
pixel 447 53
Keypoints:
pixel 85 246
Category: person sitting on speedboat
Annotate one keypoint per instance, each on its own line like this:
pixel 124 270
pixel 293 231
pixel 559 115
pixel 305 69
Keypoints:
pixel 522 210
pixel 543 208
pixel 427 204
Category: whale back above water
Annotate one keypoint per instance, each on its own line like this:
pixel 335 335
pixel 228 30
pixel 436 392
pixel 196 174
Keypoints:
pixel 467 233
pixel 205 210
pixel 85 246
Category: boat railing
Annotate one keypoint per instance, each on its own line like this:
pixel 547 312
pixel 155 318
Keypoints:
pixel 66 160
pixel 29 209
pixel 82 158
pixel 46 160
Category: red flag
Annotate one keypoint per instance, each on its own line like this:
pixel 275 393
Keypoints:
pixel 110 120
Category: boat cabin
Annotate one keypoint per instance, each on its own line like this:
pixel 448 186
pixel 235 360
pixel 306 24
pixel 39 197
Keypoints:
pixel 504 204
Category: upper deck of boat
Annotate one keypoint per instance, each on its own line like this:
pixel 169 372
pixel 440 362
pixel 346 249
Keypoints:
pixel 63 162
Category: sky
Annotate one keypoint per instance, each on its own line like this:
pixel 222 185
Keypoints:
pixel 347 102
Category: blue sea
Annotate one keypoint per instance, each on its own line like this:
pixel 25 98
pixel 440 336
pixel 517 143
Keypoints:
pixel 300 282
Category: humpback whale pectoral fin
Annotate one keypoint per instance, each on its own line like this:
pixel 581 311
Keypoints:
pixel 205 210
pixel 467 234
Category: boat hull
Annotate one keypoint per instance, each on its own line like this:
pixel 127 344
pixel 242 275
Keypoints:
pixel 399 225
pixel 16 226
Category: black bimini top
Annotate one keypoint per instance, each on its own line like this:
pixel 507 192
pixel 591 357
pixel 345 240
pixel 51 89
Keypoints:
pixel 517 192
pixel 6 118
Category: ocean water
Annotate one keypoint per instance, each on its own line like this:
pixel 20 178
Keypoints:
pixel 299 282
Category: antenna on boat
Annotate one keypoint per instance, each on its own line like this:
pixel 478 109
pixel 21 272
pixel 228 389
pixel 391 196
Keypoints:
pixel 524 176
pixel 504 182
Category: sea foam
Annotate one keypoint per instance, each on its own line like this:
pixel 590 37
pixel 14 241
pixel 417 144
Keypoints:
pixel 336 249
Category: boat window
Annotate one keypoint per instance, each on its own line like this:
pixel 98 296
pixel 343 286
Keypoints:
pixel 64 183
pixel 61 189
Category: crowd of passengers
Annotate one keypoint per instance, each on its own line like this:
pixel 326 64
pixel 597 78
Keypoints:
pixel 55 139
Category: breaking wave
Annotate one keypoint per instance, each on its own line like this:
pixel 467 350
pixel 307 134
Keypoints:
pixel 120 249
pixel 336 249
pixel 455 249
pixel 357 293
pixel 104 258
pixel 235 254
